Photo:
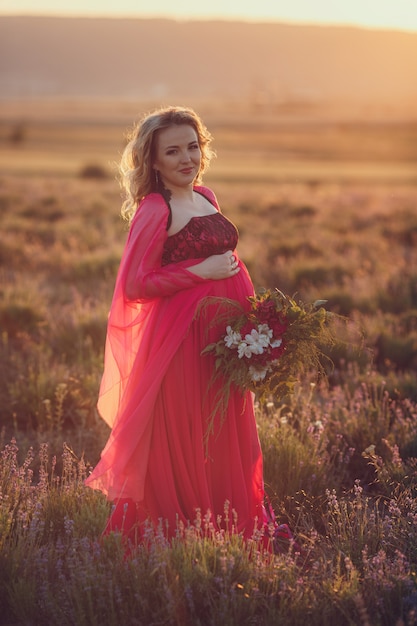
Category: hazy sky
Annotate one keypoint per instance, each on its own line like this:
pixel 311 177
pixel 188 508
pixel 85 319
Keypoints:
pixel 400 14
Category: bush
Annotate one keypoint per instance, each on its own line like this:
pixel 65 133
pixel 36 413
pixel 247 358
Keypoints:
pixel 93 171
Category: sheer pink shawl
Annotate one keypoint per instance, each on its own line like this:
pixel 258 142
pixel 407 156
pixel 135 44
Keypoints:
pixel 142 337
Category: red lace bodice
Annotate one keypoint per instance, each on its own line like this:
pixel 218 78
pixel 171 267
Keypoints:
pixel 201 237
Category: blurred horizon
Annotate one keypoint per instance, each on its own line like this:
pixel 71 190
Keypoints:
pixel 276 68
pixel 369 14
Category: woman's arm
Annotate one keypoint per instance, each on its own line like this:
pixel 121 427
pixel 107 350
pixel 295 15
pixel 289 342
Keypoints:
pixel 142 275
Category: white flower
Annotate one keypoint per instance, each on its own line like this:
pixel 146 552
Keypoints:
pixel 265 330
pixel 276 343
pixel 244 350
pixel 257 341
pixel 257 374
pixel 232 337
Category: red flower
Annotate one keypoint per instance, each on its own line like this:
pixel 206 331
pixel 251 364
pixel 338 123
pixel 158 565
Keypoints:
pixel 265 311
pixel 278 326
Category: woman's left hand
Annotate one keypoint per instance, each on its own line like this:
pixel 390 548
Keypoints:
pixel 217 266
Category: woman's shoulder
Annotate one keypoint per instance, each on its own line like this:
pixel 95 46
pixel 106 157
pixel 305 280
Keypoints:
pixel 154 203
pixel 154 199
pixel 152 210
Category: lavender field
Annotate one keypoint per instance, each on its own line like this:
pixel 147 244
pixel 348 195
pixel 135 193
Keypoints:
pixel 324 211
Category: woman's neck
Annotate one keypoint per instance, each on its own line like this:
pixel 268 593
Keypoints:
pixel 182 193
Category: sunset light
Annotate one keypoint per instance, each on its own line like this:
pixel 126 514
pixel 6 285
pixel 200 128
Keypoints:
pixel 208 366
pixel 385 14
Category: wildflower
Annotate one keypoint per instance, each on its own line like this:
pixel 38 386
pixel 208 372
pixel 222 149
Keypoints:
pixel 358 490
pixel 255 342
pixel 244 350
pixel 232 338
pixel 69 526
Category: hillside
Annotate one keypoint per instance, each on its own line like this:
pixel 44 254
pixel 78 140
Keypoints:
pixel 142 58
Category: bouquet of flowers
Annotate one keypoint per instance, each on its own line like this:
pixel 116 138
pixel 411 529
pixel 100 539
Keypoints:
pixel 266 347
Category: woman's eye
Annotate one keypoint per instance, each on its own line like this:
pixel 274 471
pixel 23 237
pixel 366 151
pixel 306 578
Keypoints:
pixel 169 152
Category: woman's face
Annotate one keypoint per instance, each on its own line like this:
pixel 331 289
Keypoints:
pixel 177 156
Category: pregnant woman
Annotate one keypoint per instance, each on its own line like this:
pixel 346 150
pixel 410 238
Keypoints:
pixel 160 462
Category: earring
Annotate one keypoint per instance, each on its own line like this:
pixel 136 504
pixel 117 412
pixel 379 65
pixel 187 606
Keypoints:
pixel 157 181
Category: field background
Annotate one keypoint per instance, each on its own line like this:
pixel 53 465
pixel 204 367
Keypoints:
pixel 325 206
pixel 325 202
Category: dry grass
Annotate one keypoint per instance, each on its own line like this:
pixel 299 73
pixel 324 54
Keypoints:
pixel 316 217
pixel 254 146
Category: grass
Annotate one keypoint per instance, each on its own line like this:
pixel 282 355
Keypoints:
pixel 340 458
pixel 359 546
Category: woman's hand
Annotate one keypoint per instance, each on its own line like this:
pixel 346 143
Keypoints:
pixel 217 266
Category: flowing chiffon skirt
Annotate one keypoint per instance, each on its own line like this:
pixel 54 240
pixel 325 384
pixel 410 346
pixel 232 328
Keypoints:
pixel 183 474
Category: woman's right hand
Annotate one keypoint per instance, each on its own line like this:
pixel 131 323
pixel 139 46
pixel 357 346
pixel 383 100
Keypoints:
pixel 217 266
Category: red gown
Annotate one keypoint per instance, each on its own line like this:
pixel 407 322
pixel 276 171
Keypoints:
pixel 155 391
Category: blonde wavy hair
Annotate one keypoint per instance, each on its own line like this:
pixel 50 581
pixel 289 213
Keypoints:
pixel 136 174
